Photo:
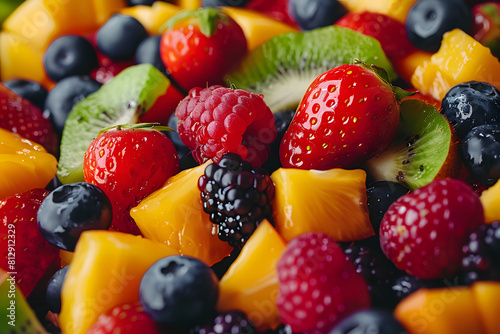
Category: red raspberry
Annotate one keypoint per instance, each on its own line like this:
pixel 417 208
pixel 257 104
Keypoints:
pixel 217 120
pixel 318 286
pixel 423 232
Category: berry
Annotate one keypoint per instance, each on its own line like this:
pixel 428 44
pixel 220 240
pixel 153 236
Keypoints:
pixel 120 36
pixel 318 286
pixel 28 90
pixel 481 254
pixel 237 197
pixel 406 284
pixel 481 153
pixel 54 287
pixel 217 120
pixel 370 321
pixel 428 20
pixel 128 163
pixel 486 28
pixel 232 322
pixel 71 209
pixel 470 104
pixel 423 231
pixel 69 55
pixel 230 3
pixel 33 254
pixel 65 94
pixel 148 51
pixel 131 3
pixel 179 291
pixel 127 318
pixel 312 14
pixel 282 119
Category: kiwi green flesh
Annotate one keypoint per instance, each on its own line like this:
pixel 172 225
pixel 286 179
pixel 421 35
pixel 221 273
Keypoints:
pixel 283 68
pixel 122 100
pixel 419 150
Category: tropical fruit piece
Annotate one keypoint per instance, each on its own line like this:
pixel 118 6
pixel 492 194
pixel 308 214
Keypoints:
pixel 490 198
pixel 105 272
pixel 251 283
pixel 395 8
pixel 174 215
pixel 18 315
pixel 152 17
pixel 283 68
pixel 331 201
pixel 122 100
pixel 460 58
pixel 406 66
pixel 24 165
pixel 104 9
pixel 487 297
pixel 424 148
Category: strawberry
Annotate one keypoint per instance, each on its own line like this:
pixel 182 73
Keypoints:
pixel 127 318
pixel 347 115
pixel 24 251
pixel 128 163
pixel 21 116
pixel 199 47
pixel 486 28
pixel 423 232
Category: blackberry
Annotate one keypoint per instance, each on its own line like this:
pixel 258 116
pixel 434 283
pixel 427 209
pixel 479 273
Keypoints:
pixel 481 255
pixel 406 284
pixel 232 322
pixel 237 197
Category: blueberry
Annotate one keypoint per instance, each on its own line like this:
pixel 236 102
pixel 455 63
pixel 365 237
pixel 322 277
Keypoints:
pixel 311 14
pixel 369 321
pixel 282 119
pixel 481 153
pixel 120 36
pixel 229 3
pixel 69 55
pixel 179 291
pixel 64 95
pixel 470 104
pixel 381 194
pixel 428 20
pixel 54 287
pixel 405 285
pixel 29 90
pixel 148 52
pixel 131 3
pixel 70 210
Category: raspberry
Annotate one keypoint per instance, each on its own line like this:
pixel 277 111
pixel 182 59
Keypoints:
pixel 237 197
pixel 227 322
pixel 217 120
pixel 423 232
pixel 318 286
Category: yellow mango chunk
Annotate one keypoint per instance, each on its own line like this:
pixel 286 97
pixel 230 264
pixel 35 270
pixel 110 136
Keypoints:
pixel 104 9
pixel 106 271
pixel 397 9
pixel 162 12
pixel 251 283
pixel 459 59
pixel 490 198
pixel 487 297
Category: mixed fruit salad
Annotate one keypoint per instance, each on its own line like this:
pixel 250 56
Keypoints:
pixel 250 166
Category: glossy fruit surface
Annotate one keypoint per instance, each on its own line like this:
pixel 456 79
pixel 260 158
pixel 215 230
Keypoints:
pixel 148 51
pixel 226 322
pixel 54 287
pixel 490 198
pixel 380 195
pixel 486 28
pixel 28 89
pixel 315 14
pixel 369 321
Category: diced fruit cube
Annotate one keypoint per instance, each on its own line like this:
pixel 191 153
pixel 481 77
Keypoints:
pixel 490 198
pixel 395 8
pixel 487 297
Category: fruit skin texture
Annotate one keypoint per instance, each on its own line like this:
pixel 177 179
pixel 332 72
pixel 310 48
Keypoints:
pixel 490 198
pixel 486 28
pixel 347 115
pixel 423 232
pixel 20 239
pixel 129 164
pixel 217 120
pixel 330 288
pixel 199 47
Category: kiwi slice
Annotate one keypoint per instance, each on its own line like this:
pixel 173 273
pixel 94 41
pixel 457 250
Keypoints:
pixel 283 68
pixel 122 100
pixel 424 148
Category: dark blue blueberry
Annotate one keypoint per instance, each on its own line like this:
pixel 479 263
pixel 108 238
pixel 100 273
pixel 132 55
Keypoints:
pixel 481 153
pixel 54 287
pixel 148 52
pixel 63 97
pixel 369 321
pixel 381 194
pixel 282 119
pixel 29 90
pixel 229 3
pixel 131 3
pixel 179 291
pixel 470 104
pixel 428 20
pixel 312 14
pixel 69 55
pixel 120 36
pixel 70 210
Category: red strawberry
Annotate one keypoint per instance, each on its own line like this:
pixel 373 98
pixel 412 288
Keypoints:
pixel 318 285
pixel 199 47
pixel 423 232
pixel 21 116
pixel 128 163
pixel 127 318
pixel 24 250
pixel 163 107
pixel 217 120
pixel 486 28
pixel 347 115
